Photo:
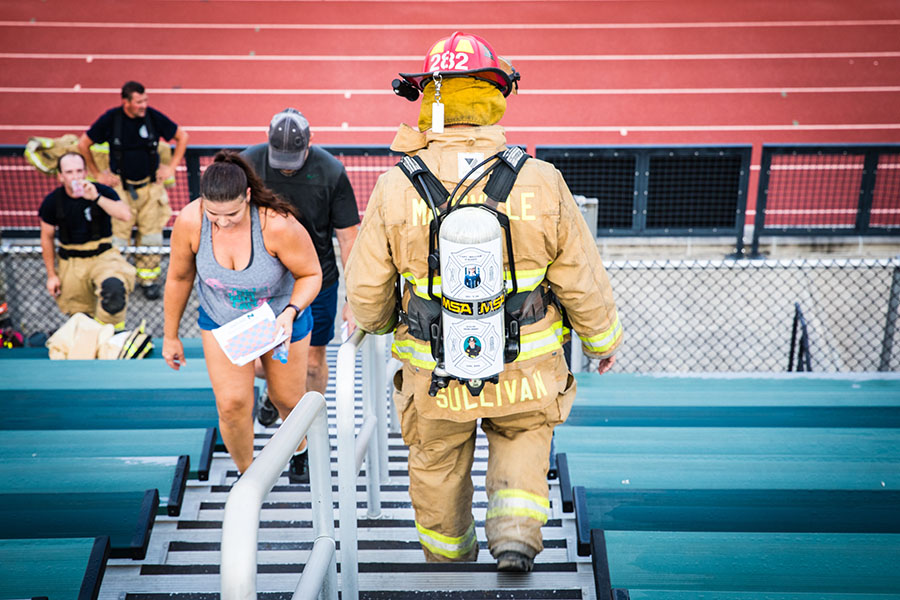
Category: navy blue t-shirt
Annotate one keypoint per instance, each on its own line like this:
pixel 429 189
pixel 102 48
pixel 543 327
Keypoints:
pixel 137 162
pixel 78 214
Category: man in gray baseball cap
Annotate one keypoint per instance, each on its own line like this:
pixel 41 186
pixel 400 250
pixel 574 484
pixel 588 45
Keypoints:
pixel 288 140
pixel 316 183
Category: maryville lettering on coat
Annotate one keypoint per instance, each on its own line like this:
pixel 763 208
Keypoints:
pixel 457 397
pixel 517 207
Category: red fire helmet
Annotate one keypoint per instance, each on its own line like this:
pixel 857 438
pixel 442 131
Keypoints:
pixel 465 55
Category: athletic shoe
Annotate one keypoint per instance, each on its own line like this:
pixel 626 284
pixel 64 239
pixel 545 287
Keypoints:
pixel 152 291
pixel 266 413
pixel 515 562
pixel 299 471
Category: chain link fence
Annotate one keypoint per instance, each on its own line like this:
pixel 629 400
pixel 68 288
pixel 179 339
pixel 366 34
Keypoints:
pixel 679 316
pixel 737 315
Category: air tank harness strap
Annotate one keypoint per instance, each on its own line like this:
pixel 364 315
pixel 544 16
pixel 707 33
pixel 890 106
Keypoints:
pixel 503 175
pixel 502 180
pixel 525 308
pixel 425 182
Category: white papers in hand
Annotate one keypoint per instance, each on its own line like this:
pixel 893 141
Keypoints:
pixel 249 336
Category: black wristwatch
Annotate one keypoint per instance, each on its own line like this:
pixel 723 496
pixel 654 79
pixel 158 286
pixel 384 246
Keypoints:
pixel 296 308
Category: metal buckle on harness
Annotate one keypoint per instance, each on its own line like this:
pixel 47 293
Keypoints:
pixel 511 352
pixel 436 341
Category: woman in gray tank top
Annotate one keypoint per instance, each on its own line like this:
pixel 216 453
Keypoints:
pixel 245 247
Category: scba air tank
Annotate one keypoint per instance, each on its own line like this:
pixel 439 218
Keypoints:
pixel 473 292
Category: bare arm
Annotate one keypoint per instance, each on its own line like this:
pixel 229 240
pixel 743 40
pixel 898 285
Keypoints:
pixel 289 242
pixel 346 237
pixel 84 147
pixel 48 253
pixel 166 171
pixel 179 281
pixel 114 208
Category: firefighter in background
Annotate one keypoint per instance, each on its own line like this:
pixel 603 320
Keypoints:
pixel 93 277
pixel 133 131
pixel 43 153
pixel 557 268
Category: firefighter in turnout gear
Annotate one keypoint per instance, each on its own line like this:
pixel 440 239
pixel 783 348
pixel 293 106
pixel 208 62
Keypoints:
pixel 85 273
pixel 137 173
pixel 553 276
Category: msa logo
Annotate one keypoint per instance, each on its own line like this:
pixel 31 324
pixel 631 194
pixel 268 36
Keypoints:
pixel 489 306
pixel 454 306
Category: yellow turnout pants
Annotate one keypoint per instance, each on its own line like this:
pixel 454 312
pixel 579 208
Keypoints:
pixel 149 213
pixel 81 280
pixel 441 453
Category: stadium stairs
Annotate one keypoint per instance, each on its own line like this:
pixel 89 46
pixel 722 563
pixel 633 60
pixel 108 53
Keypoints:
pixel 180 557
pixel 666 489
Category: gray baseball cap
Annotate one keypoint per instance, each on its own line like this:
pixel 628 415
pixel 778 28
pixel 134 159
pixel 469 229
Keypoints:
pixel 288 140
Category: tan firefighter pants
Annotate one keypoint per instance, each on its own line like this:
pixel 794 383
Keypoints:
pixel 81 280
pixel 149 213
pixel 441 453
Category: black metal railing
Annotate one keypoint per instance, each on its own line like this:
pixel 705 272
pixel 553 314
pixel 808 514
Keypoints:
pixel 683 191
pixel 801 344
pixel 660 190
pixel 835 190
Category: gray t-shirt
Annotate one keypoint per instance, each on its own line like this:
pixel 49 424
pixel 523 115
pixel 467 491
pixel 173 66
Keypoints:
pixel 226 294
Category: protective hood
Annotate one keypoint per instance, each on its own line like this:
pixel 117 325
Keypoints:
pixel 466 100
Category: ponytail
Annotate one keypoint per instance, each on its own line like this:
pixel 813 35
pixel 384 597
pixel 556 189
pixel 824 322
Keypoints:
pixel 230 175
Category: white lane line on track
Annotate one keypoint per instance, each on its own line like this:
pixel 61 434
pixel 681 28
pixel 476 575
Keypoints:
pixel 393 59
pixel 516 128
pixel 447 27
pixel 538 92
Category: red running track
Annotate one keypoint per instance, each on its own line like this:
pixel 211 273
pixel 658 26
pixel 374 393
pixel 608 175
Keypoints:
pixel 596 73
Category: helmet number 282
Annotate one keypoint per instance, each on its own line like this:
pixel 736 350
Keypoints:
pixel 448 61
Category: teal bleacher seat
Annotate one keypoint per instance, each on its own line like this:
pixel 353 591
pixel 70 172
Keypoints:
pixel 634 594
pixel 107 395
pixel 37 374
pixel 125 517
pixel 775 400
pixel 197 443
pixel 871 443
pixel 193 348
pixel 110 409
pixel 722 564
pixel 680 458
pixel 750 389
pixel 33 475
pixel 800 511
pixel 53 568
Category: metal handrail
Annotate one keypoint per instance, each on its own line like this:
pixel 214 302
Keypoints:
pixel 240 527
pixel 371 442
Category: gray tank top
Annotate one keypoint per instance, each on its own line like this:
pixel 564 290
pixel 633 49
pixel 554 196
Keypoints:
pixel 226 294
